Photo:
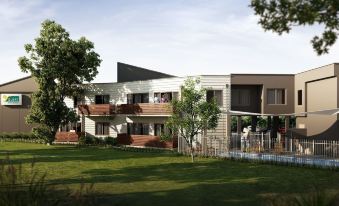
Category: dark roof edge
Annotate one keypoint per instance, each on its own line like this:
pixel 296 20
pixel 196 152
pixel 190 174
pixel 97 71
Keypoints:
pixel 147 69
pixel 17 80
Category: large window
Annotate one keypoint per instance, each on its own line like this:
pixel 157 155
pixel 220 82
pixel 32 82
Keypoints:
pixel 300 97
pixel 101 99
pixel 214 94
pixel 137 129
pixel 101 128
pixel 137 98
pixel 276 96
pixel 241 97
pixel 164 97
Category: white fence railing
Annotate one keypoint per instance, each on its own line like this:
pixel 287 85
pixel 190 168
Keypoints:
pixel 261 145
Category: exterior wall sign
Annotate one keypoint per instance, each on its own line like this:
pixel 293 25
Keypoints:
pixel 11 99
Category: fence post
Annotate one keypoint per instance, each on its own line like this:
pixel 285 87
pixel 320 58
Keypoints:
pixel 291 145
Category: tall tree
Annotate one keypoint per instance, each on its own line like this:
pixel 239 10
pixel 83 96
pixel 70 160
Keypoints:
pixel 58 64
pixel 193 114
pixel 281 15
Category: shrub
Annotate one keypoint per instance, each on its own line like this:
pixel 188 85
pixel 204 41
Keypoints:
pixel 21 137
pixel 43 133
pixel 110 140
pixel 86 140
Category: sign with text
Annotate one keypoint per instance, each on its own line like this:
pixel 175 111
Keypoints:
pixel 11 99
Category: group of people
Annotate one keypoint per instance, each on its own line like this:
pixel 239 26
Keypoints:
pixel 163 99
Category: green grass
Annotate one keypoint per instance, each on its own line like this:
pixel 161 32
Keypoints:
pixel 131 178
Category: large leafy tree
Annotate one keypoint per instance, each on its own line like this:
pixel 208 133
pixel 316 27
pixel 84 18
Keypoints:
pixel 193 114
pixel 58 64
pixel 281 15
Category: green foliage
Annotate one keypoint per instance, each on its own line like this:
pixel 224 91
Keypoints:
pixel 317 197
pixel 21 137
pixel 58 64
pixel 193 114
pixel 110 140
pixel 27 186
pixel 42 132
pixel 166 137
pixel 91 140
pixel 281 15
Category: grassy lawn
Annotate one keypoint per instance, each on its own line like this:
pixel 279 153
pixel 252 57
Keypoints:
pixel 131 178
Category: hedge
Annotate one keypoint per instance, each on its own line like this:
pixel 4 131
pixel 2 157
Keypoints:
pixel 20 137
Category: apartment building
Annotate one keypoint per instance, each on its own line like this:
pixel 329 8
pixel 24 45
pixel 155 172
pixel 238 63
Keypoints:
pixel 136 107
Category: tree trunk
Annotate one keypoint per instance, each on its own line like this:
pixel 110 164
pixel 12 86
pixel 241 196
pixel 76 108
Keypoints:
pixel 52 137
pixel 192 153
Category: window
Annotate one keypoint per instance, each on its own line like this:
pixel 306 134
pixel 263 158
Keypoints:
pixel 300 97
pixel 101 99
pixel 137 129
pixel 159 129
pixel 137 98
pixel 164 97
pixel 102 128
pixel 214 94
pixel 241 97
pixel 276 96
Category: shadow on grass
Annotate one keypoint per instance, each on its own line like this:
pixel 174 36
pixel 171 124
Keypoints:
pixel 196 195
pixel 74 153
pixel 205 183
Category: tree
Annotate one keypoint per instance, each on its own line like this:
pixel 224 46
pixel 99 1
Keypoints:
pixel 192 115
pixel 281 15
pixel 58 64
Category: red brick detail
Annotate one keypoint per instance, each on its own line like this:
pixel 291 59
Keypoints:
pixel 67 136
pixel 146 141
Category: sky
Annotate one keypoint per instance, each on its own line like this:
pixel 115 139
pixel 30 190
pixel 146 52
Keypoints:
pixel 179 37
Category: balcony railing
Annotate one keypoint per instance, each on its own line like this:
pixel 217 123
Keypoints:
pixel 97 109
pixel 132 109
pixel 145 109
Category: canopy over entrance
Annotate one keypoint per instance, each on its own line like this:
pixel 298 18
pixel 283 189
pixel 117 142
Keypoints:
pixel 319 112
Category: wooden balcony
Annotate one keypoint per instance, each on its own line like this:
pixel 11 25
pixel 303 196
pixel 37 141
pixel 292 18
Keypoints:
pixel 96 109
pixel 145 109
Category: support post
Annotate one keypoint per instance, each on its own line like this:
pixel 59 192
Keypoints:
pixel 254 120
pixel 239 125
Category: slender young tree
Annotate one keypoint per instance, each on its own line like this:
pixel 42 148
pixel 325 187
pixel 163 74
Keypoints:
pixel 192 114
pixel 281 15
pixel 58 64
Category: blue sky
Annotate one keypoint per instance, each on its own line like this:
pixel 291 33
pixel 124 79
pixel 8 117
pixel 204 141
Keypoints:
pixel 179 37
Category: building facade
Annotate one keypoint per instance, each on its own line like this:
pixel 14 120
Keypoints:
pixel 137 105
pixel 15 104
pixel 141 108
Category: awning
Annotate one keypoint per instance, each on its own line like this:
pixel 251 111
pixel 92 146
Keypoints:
pixel 326 112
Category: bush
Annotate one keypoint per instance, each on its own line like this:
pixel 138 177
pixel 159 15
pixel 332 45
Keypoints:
pixel 43 133
pixel 21 137
pixel 90 140
pixel 110 140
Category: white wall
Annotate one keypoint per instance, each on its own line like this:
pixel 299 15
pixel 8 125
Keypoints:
pixel 118 95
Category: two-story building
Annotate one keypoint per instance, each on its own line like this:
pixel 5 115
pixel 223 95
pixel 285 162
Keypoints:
pixel 135 108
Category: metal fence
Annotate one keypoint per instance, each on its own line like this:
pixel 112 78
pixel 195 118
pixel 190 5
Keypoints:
pixel 262 147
